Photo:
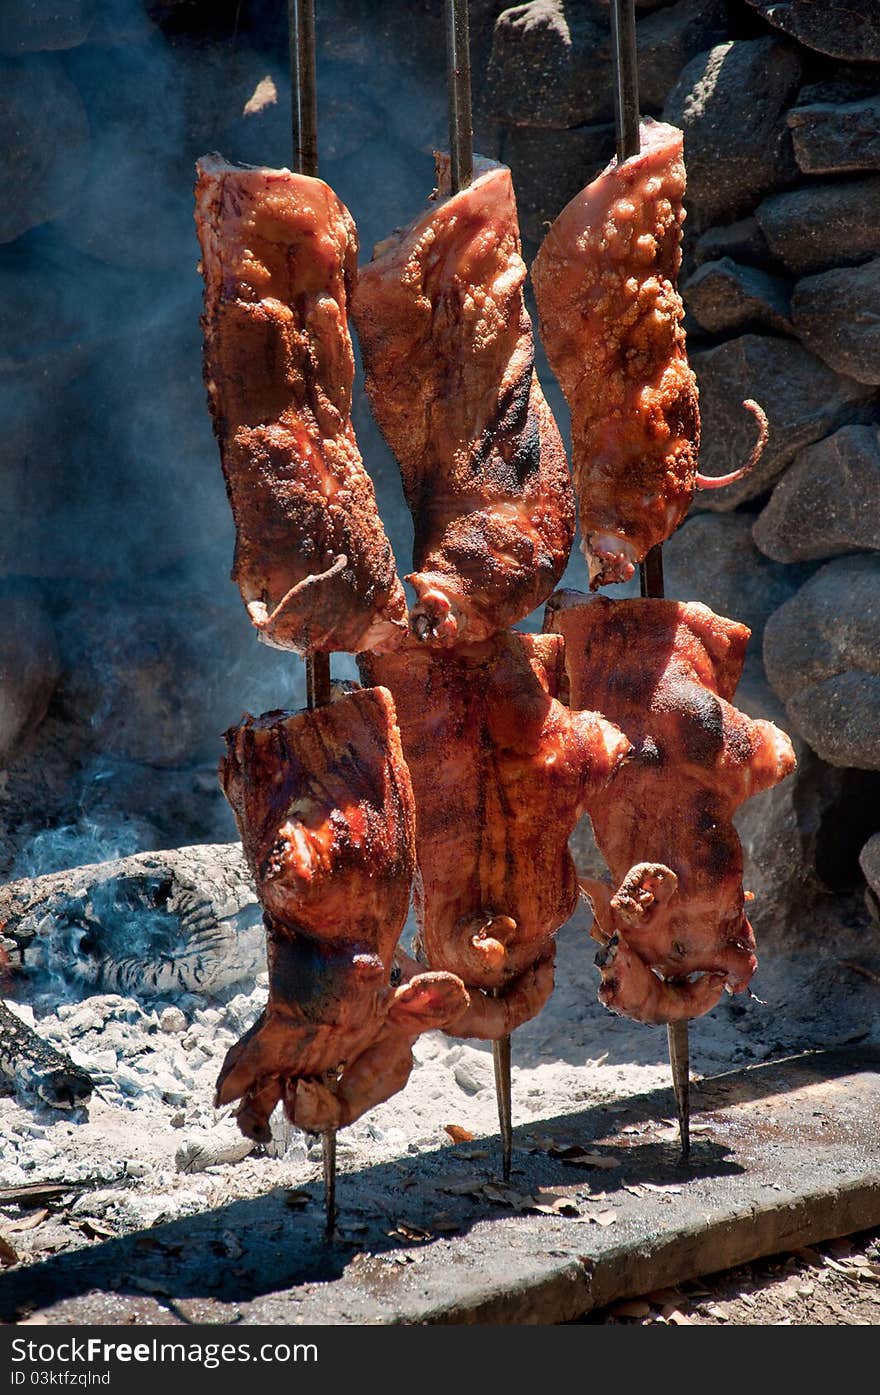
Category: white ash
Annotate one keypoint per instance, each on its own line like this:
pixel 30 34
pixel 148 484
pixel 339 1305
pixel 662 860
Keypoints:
pixel 151 1147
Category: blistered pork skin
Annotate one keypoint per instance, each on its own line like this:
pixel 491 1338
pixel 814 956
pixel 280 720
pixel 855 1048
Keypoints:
pixel 279 258
pixel 501 773
pixel 324 805
pixel 449 360
pixel 611 322
pixel 672 921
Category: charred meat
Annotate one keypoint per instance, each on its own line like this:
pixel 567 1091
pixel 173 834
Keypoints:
pixel 672 922
pixel 449 360
pixel 501 773
pixel 279 258
pixel 324 805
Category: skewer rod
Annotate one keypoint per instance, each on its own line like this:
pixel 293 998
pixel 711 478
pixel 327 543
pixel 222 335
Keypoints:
pixel 304 113
pixel 458 84
pixel 679 1059
pixel 303 85
pixel 461 142
pixel 626 115
pixel 501 1062
pixel 626 77
pixel 651 574
pixel 328 1156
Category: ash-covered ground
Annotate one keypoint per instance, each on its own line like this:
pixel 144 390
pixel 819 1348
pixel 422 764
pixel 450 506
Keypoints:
pixel 150 1147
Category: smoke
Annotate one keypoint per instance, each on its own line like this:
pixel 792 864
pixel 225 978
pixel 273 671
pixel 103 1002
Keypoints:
pixel 112 474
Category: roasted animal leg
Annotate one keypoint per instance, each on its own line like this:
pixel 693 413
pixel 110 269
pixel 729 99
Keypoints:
pixel 449 360
pixel 672 923
pixel 324 805
pixel 501 772
pixel 279 258
pixel 611 322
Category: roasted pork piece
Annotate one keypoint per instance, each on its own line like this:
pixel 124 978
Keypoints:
pixel 501 773
pixel 611 322
pixel 279 258
pixel 324 805
pixel 672 924
pixel 448 353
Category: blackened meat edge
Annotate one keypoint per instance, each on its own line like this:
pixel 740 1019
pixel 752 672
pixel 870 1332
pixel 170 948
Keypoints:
pixel 449 360
pixel 279 259
pixel 324 805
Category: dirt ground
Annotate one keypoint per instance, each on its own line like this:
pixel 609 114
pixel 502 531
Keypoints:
pixel 833 1285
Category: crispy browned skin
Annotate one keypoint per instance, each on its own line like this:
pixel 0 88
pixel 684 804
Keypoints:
pixel 611 322
pixel 449 359
pixel 279 258
pixel 501 773
pixel 324 805
pixel 666 672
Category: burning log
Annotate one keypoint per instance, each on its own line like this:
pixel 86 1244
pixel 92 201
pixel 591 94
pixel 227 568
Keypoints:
pixel 181 921
pixel 31 1066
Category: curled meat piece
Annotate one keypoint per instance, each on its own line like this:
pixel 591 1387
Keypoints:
pixel 324 805
pixel 449 359
pixel 279 258
pixel 672 921
pixel 501 773
pixel 611 322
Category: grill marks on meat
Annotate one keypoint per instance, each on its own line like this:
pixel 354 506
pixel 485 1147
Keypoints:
pixel 611 322
pixel 672 924
pixel 449 359
pixel 324 805
pixel 279 258
pixel 501 772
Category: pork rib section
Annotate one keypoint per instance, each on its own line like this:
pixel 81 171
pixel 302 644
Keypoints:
pixel 672 922
pixel 449 359
pixel 501 773
pixel 279 259
pixel 324 805
pixel 611 322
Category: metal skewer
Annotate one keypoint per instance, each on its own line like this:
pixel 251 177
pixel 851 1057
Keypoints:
pixel 304 112
pixel 461 171
pixel 626 115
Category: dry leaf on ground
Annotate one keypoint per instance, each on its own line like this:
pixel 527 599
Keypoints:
pixel 458 1134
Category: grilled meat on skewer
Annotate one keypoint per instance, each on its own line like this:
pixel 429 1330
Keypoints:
pixel 324 805
pixel 611 322
pixel 672 922
pixel 279 258
pixel 501 773
pixel 449 360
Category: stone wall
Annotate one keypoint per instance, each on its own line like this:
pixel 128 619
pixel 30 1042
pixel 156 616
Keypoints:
pixel 124 649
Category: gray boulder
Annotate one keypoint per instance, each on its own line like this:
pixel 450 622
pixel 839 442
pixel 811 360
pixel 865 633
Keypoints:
pixel 735 150
pixel 28 669
pixel 837 316
pixel 550 167
pixel 804 400
pixel 823 225
pixel 551 59
pixel 869 861
pixel 831 139
pixel 70 306
pixel 27 26
pixel 156 680
pixel 827 502
pixel 44 143
pixel 742 241
pixel 712 558
pixel 671 37
pixel 840 28
pixel 822 655
pixel 724 297
pixel 781 829
pixel 550 65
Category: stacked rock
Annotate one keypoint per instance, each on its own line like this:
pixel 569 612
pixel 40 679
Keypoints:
pixel 780 108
